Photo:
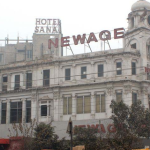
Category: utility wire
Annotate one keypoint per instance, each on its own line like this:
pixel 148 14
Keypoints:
pixel 55 78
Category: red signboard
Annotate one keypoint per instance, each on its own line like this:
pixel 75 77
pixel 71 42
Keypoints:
pixel 103 35
pixel 147 70
pixel 4 141
pixel 111 128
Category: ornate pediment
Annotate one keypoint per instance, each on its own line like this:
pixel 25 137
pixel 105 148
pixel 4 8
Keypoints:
pixel 45 98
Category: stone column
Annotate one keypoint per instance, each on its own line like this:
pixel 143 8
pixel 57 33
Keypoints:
pixel 8 112
pixel 129 24
pixel 74 72
pixel 137 19
pixel 24 79
pixel 1 82
pixel 127 93
pixel 92 71
pixel 109 98
pixel 56 68
pixel 61 75
pixel 93 104
pixel 56 105
pixel 74 106
pixel 9 83
pixel 34 108
pixel 23 110
pixel 60 108
pixel 0 110
pixel 144 96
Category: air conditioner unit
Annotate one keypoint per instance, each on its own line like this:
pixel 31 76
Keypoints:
pixel 126 77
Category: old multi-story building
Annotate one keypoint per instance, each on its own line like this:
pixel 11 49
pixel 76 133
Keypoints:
pixel 39 83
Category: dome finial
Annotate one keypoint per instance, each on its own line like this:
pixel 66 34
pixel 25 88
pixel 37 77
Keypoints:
pixel 140 5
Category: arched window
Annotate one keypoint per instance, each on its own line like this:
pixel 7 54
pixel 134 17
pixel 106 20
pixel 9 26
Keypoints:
pixel 148 47
pixel 134 44
pixel 132 22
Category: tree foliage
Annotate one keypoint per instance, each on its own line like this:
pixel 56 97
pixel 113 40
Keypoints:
pixel 89 137
pixel 45 138
pixel 131 124
pixel 26 131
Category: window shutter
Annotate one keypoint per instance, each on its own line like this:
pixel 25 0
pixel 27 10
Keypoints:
pixel 79 105
pixel 87 104
pixel 102 103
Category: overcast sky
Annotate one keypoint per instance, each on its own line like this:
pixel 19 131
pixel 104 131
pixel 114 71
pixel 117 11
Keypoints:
pixel 77 16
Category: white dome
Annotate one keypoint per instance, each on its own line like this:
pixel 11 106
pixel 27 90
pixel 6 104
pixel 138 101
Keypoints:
pixel 141 4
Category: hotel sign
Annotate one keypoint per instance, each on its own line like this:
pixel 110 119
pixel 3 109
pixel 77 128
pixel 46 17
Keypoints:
pixel 52 26
pixel 147 70
pixel 104 35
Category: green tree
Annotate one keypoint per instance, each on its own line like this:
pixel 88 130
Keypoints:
pixel 88 137
pixel 45 138
pixel 26 131
pixel 139 120
pixel 126 136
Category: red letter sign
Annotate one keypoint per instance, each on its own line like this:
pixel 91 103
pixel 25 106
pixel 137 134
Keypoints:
pixel 107 35
pixel 92 37
pixel 116 33
pixel 65 41
pixel 54 44
pixel 79 38
pixel 111 128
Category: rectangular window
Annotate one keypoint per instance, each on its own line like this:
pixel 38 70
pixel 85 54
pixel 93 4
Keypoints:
pixel 148 76
pixel 67 74
pixel 43 110
pixel 46 77
pixel 100 70
pixel 5 79
pixel 118 97
pixel 83 72
pixel 83 104
pixel 133 46
pixel 29 80
pixel 17 82
pixel 119 68
pixel 4 85
pixel 100 103
pixel 3 113
pixel 148 49
pixel 1 58
pixel 4 88
pixel 149 100
pixel 67 105
pixel 15 112
pixel 133 68
pixel 29 54
pixel 28 111
pixel 134 97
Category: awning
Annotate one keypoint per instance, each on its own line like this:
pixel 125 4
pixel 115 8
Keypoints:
pixel 4 141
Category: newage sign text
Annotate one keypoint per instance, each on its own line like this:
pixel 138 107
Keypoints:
pixel 103 35
pixel 48 26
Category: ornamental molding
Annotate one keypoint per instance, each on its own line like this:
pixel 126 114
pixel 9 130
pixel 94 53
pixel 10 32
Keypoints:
pixel 56 94
pixel 50 62
pixel 45 98
pixel 110 91
pixel 144 90
pixel 127 89
pixel 33 97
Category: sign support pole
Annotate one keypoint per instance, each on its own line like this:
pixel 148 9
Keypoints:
pixel 69 130
pixel 71 135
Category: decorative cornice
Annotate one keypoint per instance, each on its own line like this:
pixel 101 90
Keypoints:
pixel 36 64
pixel 75 85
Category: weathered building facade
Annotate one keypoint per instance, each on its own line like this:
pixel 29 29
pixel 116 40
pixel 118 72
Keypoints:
pixel 42 84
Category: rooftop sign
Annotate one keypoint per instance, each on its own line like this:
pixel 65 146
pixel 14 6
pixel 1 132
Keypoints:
pixel 52 26
pixel 104 35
